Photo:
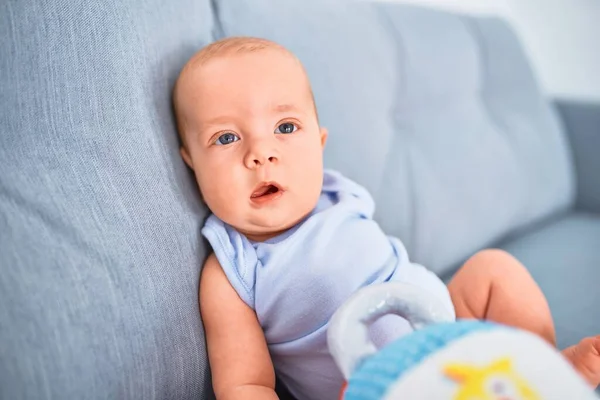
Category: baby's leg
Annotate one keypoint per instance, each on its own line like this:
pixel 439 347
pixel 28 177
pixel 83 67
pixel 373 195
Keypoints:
pixel 495 286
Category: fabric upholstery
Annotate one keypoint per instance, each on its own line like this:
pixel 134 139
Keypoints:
pixel 438 115
pixel 100 246
pixel 582 123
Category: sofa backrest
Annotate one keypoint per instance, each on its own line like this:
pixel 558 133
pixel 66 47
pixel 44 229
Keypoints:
pixel 100 248
pixel 438 115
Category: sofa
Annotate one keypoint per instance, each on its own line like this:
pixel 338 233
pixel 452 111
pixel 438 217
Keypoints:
pixel 438 115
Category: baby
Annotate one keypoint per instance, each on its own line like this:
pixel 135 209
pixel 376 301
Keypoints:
pixel 293 241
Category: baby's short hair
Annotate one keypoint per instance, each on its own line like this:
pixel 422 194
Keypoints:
pixel 224 47
pixel 232 45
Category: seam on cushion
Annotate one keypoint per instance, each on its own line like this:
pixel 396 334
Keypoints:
pixel 502 129
pixel 400 83
pixel 217 31
pixel 472 26
pixel 400 54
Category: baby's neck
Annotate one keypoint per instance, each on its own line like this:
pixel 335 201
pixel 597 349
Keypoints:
pixel 264 236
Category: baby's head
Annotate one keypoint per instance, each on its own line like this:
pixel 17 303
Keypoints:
pixel 248 123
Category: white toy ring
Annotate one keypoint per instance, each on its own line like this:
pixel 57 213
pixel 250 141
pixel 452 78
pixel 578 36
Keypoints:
pixel 348 334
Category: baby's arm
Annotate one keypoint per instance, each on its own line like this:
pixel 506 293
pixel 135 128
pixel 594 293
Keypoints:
pixel 237 350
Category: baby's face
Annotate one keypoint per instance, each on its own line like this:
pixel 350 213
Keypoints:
pixel 253 140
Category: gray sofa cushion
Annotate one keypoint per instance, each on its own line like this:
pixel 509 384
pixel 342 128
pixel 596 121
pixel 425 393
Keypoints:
pixel 582 122
pixel 100 248
pixel 438 115
pixel 563 256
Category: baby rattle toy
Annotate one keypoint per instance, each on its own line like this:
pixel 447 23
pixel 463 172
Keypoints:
pixel 443 359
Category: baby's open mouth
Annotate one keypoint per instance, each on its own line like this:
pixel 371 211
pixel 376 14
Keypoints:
pixel 266 192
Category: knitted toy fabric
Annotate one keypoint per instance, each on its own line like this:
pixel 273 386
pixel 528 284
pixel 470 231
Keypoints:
pixel 443 359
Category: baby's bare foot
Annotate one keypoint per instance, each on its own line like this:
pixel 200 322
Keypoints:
pixel 585 357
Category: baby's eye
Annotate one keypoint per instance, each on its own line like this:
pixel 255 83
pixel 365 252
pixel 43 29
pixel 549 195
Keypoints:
pixel 226 138
pixel 287 127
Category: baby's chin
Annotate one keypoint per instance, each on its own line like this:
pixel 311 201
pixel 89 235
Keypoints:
pixel 261 230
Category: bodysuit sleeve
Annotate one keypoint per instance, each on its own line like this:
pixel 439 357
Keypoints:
pixel 236 256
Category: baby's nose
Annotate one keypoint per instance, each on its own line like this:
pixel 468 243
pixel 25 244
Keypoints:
pixel 259 160
pixel 261 154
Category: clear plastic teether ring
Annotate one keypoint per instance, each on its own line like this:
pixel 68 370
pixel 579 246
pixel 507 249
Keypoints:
pixel 348 334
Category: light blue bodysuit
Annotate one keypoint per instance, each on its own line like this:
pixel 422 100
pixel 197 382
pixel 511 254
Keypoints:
pixel 296 281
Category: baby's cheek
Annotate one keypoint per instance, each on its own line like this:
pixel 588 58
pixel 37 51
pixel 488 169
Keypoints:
pixel 312 184
pixel 213 196
pixel 225 210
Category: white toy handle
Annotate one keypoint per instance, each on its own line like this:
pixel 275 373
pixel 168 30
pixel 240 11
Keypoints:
pixel 348 334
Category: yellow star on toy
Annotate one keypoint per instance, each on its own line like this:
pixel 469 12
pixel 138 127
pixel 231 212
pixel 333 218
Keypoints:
pixel 497 381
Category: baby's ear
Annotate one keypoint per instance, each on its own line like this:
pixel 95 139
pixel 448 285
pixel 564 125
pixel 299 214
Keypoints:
pixel 186 156
pixel 324 134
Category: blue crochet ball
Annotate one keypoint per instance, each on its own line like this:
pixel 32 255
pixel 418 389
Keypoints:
pixel 374 377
